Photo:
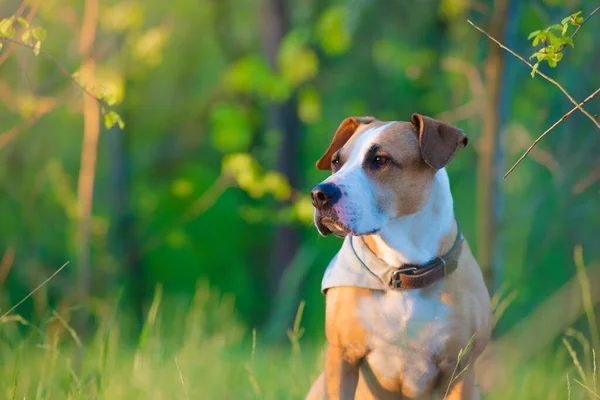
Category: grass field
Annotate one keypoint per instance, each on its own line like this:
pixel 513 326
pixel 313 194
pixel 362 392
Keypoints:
pixel 201 352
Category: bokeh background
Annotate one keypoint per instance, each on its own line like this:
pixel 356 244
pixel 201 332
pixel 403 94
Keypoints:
pixel 194 268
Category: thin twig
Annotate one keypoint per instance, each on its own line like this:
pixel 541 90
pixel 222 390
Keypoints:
pixel 567 115
pixel 34 290
pixel 103 105
pixel 558 85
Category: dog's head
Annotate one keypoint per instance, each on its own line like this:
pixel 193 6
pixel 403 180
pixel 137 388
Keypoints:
pixel 380 171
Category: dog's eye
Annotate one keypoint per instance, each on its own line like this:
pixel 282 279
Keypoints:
pixel 335 163
pixel 380 160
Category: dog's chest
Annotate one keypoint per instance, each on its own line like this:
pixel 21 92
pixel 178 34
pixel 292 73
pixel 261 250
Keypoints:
pixel 406 331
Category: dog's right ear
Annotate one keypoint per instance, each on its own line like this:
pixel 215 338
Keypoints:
pixel 344 132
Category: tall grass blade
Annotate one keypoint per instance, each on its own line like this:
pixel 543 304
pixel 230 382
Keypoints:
pixel 586 295
pixel 152 313
pixel 585 345
pixel 588 389
pixel 69 329
pixel 503 305
pixel 594 370
pixel 33 291
pixel 185 391
pixel 250 368
pixel 575 359
pixel 296 332
pixel 16 373
pixel 461 354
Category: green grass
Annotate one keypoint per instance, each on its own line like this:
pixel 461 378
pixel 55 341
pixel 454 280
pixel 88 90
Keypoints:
pixel 200 351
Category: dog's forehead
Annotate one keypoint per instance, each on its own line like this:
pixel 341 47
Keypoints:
pixel 393 135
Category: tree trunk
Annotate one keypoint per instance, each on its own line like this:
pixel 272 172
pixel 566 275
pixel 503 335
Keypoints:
pixel 122 236
pixel 490 155
pixel 87 169
pixel 283 118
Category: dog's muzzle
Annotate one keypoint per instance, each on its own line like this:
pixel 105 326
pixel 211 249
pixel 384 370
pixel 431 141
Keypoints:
pixel 324 197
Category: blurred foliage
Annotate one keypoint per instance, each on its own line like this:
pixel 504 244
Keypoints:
pixel 199 156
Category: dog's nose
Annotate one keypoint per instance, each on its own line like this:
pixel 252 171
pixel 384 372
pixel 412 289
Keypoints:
pixel 325 195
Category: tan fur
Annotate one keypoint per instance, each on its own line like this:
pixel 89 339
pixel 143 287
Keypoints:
pixel 408 185
pixel 464 291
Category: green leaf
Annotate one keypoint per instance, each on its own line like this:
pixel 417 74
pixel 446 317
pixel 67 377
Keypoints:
pixel 539 55
pixel 23 22
pixel 556 27
pixel 579 21
pixel 552 62
pixel 569 41
pixel 5 26
pixel 554 41
pixel 39 33
pixel 111 118
pixel 564 29
pixel 566 20
pixel 534 69
pixel 536 41
pixel 36 48
pixel 533 34
pixel 26 36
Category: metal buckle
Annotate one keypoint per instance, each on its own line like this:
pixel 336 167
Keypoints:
pixel 396 282
pixel 443 265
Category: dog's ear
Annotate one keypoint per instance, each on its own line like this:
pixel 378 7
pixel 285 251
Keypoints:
pixel 438 141
pixel 342 135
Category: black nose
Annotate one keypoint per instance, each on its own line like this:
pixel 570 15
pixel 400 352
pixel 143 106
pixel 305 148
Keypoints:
pixel 325 195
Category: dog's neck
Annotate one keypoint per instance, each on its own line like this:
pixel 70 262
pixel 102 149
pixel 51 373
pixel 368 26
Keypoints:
pixel 419 237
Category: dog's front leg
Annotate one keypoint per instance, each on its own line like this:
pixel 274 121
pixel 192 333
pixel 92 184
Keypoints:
pixel 341 374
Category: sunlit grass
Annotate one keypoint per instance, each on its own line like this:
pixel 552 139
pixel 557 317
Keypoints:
pixel 195 351
pixel 199 350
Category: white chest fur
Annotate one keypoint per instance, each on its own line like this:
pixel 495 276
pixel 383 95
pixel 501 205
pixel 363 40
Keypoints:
pixel 406 330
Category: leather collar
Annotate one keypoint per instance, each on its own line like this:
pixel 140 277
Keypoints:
pixel 414 276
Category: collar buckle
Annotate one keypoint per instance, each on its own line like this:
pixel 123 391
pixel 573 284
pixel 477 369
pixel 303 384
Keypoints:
pixel 396 283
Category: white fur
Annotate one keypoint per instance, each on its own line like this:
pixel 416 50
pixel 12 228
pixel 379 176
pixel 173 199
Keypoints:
pixel 415 238
pixel 406 330
pixel 357 208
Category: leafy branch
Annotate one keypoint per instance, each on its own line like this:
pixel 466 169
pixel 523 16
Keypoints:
pixel 32 39
pixel 551 51
pixel 555 38
pixel 552 57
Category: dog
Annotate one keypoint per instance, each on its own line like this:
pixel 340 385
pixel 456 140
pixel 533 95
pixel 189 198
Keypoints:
pixel 404 296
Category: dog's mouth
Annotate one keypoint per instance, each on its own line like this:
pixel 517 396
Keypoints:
pixel 328 225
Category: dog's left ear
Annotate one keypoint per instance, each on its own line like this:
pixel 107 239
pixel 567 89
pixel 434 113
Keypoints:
pixel 438 141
